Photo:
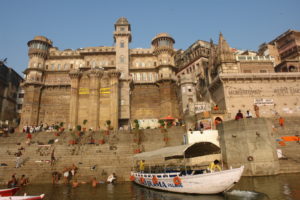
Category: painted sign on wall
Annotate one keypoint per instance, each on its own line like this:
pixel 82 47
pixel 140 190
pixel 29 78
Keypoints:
pixel 261 102
pixel 84 91
pixel 104 90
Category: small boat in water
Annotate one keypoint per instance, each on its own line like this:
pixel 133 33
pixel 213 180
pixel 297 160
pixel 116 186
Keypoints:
pixel 23 197
pixel 8 192
pixel 192 181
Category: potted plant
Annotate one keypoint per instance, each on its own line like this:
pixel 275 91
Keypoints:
pixel 162 123
pixel 136 124
pixel 84 123
pixel 61 128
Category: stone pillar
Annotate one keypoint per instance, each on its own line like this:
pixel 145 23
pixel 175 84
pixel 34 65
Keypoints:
pixel 94 101
pixel 30 111
pixel 114 98
pixel 73 116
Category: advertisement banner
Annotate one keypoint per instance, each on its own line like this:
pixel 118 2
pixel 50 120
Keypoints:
pixel 202 107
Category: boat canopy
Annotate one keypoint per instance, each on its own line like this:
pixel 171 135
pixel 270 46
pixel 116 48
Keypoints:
pixel 182 151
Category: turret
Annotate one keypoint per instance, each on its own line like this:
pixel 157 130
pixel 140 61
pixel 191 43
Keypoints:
pixel 37 52
pixel 162 45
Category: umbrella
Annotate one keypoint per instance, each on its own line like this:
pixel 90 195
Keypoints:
pixel 168 118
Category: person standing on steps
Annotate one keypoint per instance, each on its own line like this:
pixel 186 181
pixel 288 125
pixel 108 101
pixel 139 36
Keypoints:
pixel 256 109
pixel 142 165
pixel 281 121
pixel 52 158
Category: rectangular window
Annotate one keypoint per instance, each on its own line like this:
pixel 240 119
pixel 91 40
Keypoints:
pixel 21 95
pixel 122 44
pixel 19 106
pixel 263 71
pixel 247 71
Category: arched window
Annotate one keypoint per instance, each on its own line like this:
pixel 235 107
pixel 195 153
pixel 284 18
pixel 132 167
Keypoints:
pixel 292 68
pixel 144 76
pixel 52 66
pixel 190 100
pixel 138 78
pixel 122 44
pixel 58 66
pixel 150 76
pixel 122 59
pixel 40 65
pixel 93 64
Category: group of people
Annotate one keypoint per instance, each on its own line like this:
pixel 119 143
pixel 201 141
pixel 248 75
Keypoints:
pixel 14 181
pixel 42 127
pixel 239 115
pixel 111 179
pixel 5 129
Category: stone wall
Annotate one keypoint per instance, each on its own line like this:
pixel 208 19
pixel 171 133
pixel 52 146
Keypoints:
pixel 145 102
pixel 284 96
pixel 249 142
pixel 55 105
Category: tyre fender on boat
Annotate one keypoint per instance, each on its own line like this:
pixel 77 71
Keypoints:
pixel 132 178
pixel 142 180
pixel 250 158
pixel 154 180
pixel 177 180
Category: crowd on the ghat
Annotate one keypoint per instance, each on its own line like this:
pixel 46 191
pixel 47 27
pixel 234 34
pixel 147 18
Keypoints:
pixel 42 127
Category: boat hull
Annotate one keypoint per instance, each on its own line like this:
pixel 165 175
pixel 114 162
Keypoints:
pixel 23 197
pixel 8 192
pixel 208 183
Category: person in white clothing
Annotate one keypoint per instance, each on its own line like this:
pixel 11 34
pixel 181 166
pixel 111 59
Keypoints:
pixel 112 178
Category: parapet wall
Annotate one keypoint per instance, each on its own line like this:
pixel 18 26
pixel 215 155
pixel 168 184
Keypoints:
pixel 249 142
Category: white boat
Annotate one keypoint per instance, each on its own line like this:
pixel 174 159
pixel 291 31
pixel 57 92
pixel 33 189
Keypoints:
pixel 195 182
pixel 25 197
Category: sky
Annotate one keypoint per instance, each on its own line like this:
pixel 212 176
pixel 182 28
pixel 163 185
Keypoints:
pixel 86 23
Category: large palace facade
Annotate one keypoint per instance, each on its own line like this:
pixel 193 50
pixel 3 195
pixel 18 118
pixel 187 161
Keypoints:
pixel 121 84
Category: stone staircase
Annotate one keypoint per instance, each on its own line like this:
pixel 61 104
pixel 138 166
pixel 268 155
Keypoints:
pixel 291 149
pixel 113 156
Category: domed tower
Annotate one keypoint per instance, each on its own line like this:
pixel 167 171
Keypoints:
pixel 122 38
pixel 38 53
pixel 163 49
pixel 162 45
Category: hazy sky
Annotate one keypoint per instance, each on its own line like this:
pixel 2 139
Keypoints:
pixel 84 23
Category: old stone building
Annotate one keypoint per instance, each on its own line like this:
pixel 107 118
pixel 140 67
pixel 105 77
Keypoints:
pixel 238 82
pixel 101 83
pixel 9 86
pixel 120 84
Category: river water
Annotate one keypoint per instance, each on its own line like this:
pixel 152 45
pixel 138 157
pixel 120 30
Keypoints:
pixel 280 187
